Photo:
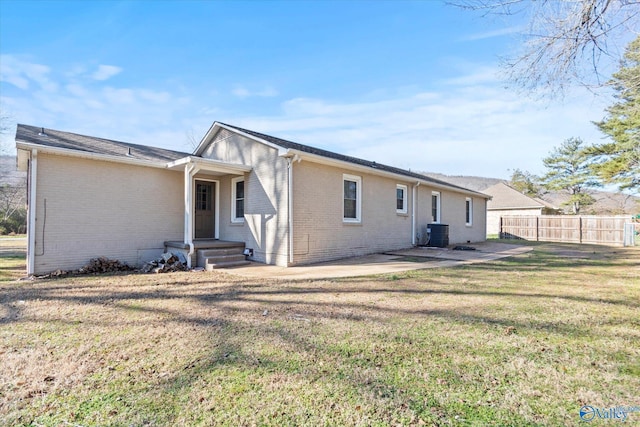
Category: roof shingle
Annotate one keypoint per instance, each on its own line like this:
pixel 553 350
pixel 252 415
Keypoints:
pixel 90 144
pixel 329 154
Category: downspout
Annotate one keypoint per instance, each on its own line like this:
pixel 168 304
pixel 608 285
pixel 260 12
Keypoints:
pixel 290 161
pixel 414 197
pixel 290 206
pixel 31 229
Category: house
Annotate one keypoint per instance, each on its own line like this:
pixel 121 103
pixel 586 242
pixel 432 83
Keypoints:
pixel 507 200
pixel 286 203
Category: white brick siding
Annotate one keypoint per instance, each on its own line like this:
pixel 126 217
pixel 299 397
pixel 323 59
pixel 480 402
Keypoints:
pixel 320 234
pixel 265 229
pixel 96 208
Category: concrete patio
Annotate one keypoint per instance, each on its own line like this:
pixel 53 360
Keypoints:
pixel 391 262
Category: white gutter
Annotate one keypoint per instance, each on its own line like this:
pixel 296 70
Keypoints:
pixel 31 226
pixel 414 191
pixel 210 164
pixel 368 169
pixel 87 155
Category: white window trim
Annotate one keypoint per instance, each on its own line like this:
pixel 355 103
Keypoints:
pixel 358 181
pixel 470 201
pixel 405 190
pixel 234 219
pixel 439 207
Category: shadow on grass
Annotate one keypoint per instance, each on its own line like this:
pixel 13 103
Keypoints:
pixel 232 295
pixel 545 258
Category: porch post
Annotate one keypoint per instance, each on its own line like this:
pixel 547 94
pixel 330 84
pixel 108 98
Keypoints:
pixel 188 221
pixel 414 198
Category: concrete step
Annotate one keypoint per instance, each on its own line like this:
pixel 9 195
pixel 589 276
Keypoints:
pixel 224 258
pixel 206 253
pixel 210 266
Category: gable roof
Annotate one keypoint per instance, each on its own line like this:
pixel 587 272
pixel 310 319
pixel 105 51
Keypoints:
pixel 376 167
pixel 506 197
pixel 69 143
pixel 54 139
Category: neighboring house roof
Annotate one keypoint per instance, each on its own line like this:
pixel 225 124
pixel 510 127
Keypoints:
pixel 546 204
pixel 283 143
pixel 506 197
pixel 89 144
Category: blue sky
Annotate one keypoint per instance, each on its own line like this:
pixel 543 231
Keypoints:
pixel 414 84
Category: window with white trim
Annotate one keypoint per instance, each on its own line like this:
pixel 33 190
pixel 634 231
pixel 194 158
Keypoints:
pixel 352 198
pixel 401 199
pixel 468 207
pixel 435 207
pixel 237 199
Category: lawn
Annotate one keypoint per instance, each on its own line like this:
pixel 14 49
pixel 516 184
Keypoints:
pixel 12 257
pixel 521 341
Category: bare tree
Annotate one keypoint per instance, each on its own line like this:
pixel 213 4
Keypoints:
pixel 191 140
pixel 5 127
pixel 566 41
pixel 12 198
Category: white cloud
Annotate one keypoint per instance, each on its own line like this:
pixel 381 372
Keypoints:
pixel 242 92
pixel 21 73
pixel 475 130
pixel 470 125
pixel 494 33
pixel 105 72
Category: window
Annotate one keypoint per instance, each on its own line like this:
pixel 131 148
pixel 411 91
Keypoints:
pixel 401 199
pixel 435 207
pixel 203 196
pixel 468 211
pixel 237 199
pixel 352 198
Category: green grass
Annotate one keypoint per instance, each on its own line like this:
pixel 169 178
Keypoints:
pixel 13 252
pixel 522 341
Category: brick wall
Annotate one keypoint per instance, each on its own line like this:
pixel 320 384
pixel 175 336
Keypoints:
pixel 265 228
pixel 320 234
pixel 96 208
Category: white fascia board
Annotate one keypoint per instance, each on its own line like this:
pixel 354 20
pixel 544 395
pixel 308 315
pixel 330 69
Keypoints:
pixel 366 169
pixel 209 164
pixel 212 131
pixel 513 208
pixel 205 139
pixel 87 155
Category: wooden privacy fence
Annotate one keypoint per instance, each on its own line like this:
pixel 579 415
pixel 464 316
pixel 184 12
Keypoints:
pixel 608 230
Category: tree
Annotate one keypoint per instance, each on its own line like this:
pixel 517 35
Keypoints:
pixel 4 128
pixel 569 169
pixel 12 209
pixel 526 183
pixel 618 161
pixel 566 40
pixel 13 214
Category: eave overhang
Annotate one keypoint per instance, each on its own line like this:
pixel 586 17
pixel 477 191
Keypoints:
pixel 27 146
pixel 209 165
pixel 302 155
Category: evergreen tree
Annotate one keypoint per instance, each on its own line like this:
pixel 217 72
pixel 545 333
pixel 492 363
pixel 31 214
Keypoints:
pixel 526 183
pixel 618 161
pixel 569 169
